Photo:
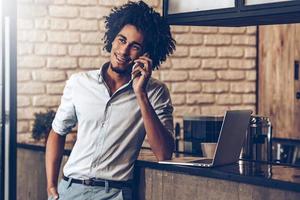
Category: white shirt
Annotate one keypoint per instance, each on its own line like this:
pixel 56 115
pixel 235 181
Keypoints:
pixel 110 128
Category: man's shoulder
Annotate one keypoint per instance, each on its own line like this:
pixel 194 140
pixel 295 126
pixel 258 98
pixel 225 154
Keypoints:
pixel 155 84
pixel 85 75
pixel 157 91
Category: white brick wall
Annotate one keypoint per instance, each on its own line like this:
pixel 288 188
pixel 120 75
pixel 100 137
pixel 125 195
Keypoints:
pixel 31 88
pixel 215 87
pixel 188 39
pixel 212 70
pixel 31 61
pixel 214 63
pixel 189 87
pixel 45 49
pixel 216 39
pixel 63 11
pixel 202 75
pixel 63 37
pixel 62 62
pixel 79 50
pixel 48 76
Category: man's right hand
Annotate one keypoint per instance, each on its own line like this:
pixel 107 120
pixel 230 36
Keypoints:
pixel 52 192
pixel 54 153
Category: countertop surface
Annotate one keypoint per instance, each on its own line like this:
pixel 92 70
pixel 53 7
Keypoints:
pixel 257 173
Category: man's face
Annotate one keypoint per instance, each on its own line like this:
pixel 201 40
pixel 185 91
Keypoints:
pixel 126 47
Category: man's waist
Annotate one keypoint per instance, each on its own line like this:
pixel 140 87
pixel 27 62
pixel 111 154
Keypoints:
pixel 100 182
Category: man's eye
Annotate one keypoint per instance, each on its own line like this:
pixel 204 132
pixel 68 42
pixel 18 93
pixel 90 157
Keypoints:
pixel 136 48
pixel 122 40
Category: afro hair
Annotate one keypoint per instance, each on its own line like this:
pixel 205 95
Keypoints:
pixel 158 41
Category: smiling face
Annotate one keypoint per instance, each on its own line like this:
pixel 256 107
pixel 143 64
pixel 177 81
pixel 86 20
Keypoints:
pixel 126 47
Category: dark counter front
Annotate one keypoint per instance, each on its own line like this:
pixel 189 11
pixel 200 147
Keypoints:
pixel 246 180
pixel 275 176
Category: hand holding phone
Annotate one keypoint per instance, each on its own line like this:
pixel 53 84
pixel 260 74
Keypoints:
pixel 141 72
pixel 139 65
pixel 136 73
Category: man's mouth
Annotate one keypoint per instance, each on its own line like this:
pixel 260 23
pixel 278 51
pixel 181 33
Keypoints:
pixel 122 59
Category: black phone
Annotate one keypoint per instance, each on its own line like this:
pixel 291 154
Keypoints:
pixel 134 65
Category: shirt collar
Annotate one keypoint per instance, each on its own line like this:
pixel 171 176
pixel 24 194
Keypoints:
pixel 101 75
pixel 101 72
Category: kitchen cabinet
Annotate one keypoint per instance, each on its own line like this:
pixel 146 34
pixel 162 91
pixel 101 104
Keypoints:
pixel 165 184
pixel 278 78
pixel 231 12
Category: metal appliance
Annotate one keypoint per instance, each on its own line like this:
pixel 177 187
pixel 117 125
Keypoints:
pixel 258 142
pixel 257 145
pixel 199 129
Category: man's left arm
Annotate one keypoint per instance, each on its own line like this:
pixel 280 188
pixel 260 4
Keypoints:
pixel 159 137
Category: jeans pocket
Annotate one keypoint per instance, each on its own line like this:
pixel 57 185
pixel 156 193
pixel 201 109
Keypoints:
pixel 50 198
pixel 62 188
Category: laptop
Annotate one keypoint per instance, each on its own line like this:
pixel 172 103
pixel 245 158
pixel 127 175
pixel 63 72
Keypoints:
pixel 230 142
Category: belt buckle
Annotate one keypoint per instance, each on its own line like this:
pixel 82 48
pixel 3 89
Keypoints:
pixel 89 182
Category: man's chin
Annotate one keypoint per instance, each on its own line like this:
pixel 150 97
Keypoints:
pixel 119 70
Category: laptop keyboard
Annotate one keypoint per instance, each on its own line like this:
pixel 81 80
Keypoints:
pixel 204 161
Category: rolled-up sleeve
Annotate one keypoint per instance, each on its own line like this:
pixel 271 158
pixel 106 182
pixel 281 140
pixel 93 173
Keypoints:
pixel 65 118
pixel 162 105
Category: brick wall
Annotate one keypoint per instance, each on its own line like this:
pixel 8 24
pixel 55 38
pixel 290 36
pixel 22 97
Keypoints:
pixel 213 68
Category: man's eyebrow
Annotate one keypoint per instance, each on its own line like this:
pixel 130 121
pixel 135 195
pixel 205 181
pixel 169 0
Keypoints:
pixel 134 42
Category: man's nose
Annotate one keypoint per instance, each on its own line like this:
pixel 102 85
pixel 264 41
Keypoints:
pixel 124 49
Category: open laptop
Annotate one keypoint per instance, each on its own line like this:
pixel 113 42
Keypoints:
pixel 230 142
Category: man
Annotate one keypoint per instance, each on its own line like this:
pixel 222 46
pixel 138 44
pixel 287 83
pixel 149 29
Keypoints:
pixel 114 108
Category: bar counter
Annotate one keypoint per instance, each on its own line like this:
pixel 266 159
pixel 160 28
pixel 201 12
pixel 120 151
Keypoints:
pixel 154 181
pixel 242 180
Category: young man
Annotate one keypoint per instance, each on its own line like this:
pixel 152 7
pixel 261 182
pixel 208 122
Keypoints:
pixel 115 107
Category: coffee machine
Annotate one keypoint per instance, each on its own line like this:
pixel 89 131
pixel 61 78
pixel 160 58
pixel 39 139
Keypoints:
pixel 205 129
pixel 200 129
pixel 258 143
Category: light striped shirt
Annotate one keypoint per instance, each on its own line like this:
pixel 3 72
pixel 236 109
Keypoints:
pixel 110 128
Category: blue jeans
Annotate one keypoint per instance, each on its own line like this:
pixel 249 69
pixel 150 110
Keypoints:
pixel 74 191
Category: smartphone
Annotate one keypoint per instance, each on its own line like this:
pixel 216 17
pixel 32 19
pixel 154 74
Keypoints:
pixel 138 73
pixel 134 66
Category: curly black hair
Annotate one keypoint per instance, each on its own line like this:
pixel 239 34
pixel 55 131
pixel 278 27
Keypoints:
pixel 158 41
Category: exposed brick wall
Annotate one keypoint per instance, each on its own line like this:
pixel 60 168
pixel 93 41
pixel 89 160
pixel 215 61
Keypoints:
pixel 212 70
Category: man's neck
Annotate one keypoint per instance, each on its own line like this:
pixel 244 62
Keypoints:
pixel 115 80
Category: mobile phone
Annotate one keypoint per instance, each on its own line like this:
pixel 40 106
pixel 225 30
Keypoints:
pixel 137 73
pixel 134 66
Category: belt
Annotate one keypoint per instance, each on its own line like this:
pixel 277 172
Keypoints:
pixel 101 182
